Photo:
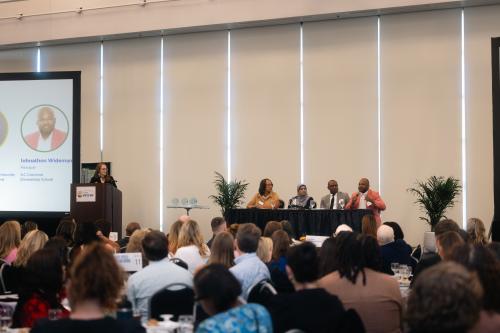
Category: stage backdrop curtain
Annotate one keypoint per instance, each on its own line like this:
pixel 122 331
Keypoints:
pixel 195 67
pixel 340 104
pixel 265 109
pixel 131 124
pixel 421 112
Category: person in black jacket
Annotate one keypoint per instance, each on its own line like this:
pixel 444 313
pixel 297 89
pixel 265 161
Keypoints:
pixel 101 175
pixel 309 308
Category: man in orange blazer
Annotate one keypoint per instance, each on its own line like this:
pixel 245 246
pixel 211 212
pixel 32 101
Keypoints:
pixel 47 137
pixel 367 199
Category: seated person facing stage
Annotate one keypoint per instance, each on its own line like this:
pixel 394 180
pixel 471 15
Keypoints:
pixel 336 199
pixel 48 137
pixel 366 198
pixel 101 175
pixel 302 200
pixel 265 198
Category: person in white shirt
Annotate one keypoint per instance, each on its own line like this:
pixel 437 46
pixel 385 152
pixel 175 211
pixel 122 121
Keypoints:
pixel 160 273
pixel 191 247
pixel 336 199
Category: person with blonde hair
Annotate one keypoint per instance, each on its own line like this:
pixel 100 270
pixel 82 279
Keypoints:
pixel 96 282
pixel 476 231
pixel 10 239
pixel 32 242
pixel 222 251
pixel 369 226
pixel 135 244
pixel 173 236
pixel 191 247
pixel 265 249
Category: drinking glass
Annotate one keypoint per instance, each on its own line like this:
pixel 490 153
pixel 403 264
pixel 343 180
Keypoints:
pixel 5 318
pixel 186 324
pixel 395 267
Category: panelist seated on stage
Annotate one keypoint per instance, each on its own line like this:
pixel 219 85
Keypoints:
pixel 101 175
pixel 302 200
pixel 366 198
pixel 336 199
pixel 265 198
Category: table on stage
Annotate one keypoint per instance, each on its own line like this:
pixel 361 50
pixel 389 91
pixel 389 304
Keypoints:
pixel 321 222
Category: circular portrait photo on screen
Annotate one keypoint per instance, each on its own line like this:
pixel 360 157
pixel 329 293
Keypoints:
pixel 4 128
pixel 44 128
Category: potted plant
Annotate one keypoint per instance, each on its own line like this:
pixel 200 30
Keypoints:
pixel 229 194
pixel 435 196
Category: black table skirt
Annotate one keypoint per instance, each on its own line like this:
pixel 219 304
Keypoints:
pixel 322 222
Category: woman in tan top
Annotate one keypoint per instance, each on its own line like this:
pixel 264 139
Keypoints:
pixel 357 283
pixel 265 198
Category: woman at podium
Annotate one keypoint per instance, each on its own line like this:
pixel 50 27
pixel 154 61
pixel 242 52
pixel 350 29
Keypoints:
pixel 101 175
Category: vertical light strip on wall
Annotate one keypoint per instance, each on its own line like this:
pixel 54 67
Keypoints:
pixel 378 107
pixel 38 59
pixel 464 131
pixel 101 100
pixel 161 135
pixel 302 103
pixel 228 134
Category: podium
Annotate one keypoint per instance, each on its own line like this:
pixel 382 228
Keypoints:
pixel 91 202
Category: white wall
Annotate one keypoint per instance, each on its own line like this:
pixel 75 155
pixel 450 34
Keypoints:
pixel 173 15
pixel 420 109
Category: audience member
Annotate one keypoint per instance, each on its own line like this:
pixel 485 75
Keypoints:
pixel 248 268
pixel 495 248
pixel 399 234
pixel 310 308
pixel 184 218
pixel 277 265
pixel 66 230
pixel 28 226
pixel 375 296
pixel 287 227
pixel 135 244
pixel 233 229
pixel 10 239
pixel 103 231
pixel 476 231
pixel 446 299
pixel 129 230
pixel 85 234
pixel 369 226
pixel 265 198
pixel 160 272
pixel 479 259
pixel 342 227
pixel 446 244
pixel 271 227
pixel 95 284
pixel 40 290
pixel 34 241
pixel 173 236
pixel 265 249
pixel 217 291
pixel 222 251
pixel 393 251
pixel 430 258
pixel 326 257
pixel 191 247
pixel 58 245
pixel 218 225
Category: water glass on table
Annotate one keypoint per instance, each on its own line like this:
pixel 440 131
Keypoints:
pixel 395 269
pixel 186 324
pixel 5 318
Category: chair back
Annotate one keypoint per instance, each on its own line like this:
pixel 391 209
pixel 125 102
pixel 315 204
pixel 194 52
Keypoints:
pixel 262 292
pixel 176 299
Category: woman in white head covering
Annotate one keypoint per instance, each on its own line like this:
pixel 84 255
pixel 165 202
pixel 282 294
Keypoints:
pixel 302 200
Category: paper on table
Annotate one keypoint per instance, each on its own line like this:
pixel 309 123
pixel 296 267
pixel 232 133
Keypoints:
pixel 130 262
